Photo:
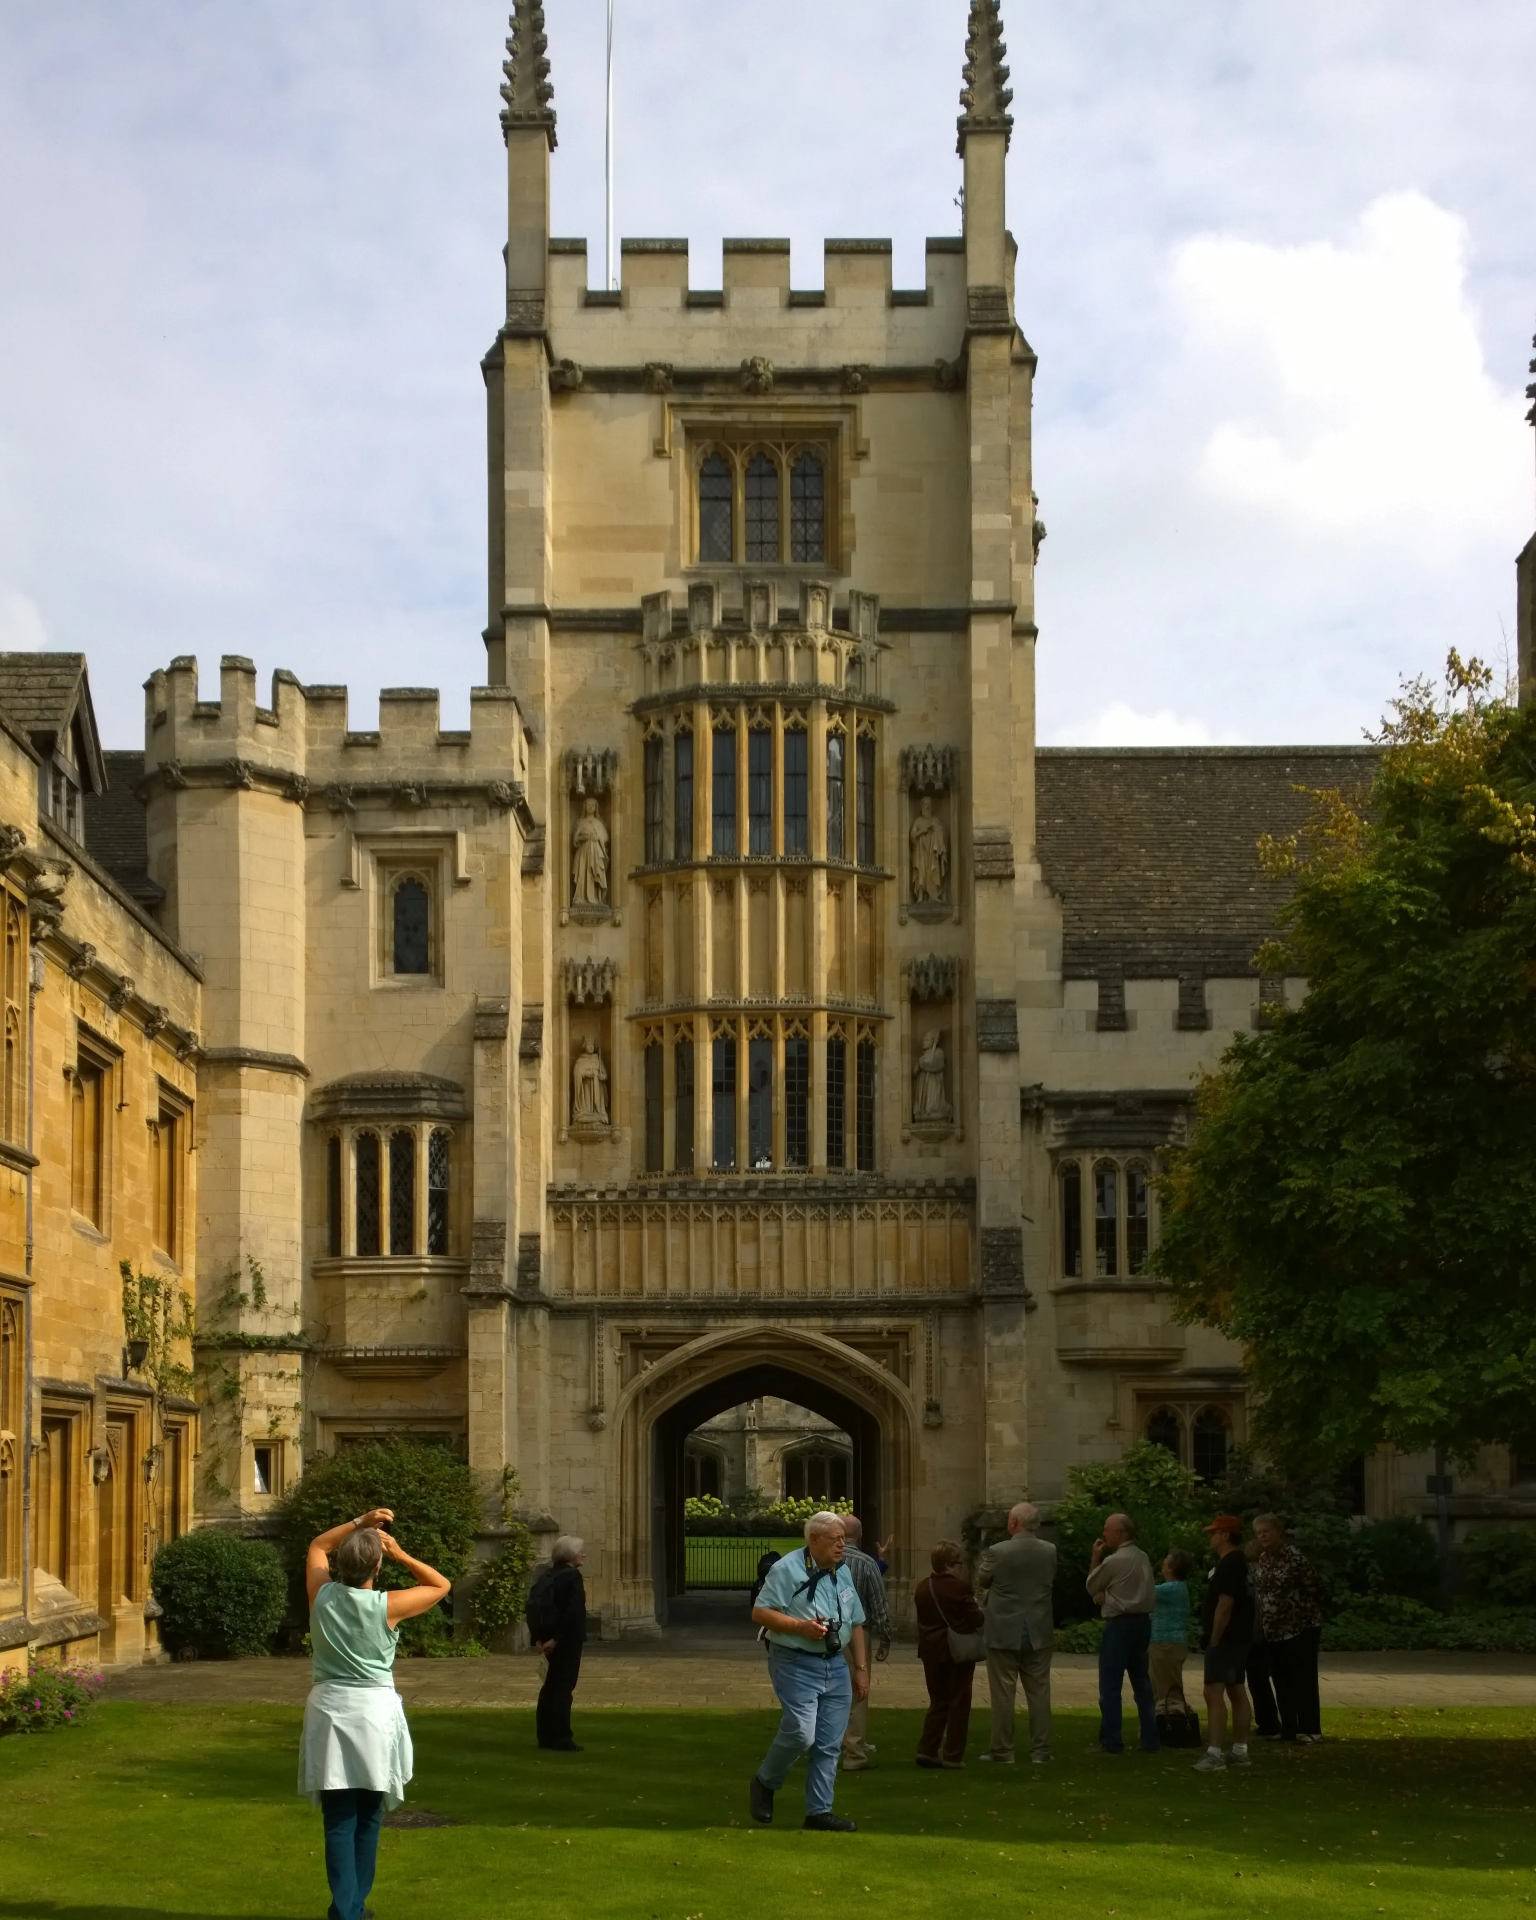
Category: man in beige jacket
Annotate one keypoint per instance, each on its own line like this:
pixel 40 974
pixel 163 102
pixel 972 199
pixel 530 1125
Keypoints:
pixel 1014 1581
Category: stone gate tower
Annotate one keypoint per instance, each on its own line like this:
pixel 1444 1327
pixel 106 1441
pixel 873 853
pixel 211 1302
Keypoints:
pixel 761 565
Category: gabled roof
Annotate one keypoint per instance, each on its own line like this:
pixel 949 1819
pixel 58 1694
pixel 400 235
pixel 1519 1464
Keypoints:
pixel 45 694
pixel 116 828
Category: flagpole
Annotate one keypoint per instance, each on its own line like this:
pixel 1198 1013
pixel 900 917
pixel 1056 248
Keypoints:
pixel 612 277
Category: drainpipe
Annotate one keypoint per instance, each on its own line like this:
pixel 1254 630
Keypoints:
pixel 34 987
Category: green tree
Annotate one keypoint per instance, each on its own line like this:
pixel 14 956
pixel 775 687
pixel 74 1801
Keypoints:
pixel 1357 1202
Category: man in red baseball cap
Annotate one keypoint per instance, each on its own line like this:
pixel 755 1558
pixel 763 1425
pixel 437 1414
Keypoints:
pixel 1226 1631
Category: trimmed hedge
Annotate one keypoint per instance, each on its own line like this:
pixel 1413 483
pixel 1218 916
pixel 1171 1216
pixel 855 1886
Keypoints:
pixel 221 1595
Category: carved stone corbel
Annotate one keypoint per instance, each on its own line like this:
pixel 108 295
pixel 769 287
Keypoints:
pixel 757 375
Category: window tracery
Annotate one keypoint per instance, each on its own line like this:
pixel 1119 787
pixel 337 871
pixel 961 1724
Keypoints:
pixel 1107 1206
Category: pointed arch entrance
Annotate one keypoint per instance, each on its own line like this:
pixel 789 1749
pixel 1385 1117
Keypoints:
pixel 703 1377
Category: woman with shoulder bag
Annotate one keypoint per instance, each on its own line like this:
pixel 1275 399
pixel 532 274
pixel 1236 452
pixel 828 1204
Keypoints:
pixel 949 1644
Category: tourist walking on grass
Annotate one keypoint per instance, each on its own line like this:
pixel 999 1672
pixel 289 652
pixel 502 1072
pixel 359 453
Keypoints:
pixel 355 1758
pixel 1290 1593
pixel 557 1625
pixel 1226 1631
pixel 811 1612
pixel 1014 1578
pixel 869 1585
pixel 1121 1584
pixel 946 1612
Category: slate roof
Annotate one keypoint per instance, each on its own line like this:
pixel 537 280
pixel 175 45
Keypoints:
pixel 1152 852
pixel 115 828
pixel 38 689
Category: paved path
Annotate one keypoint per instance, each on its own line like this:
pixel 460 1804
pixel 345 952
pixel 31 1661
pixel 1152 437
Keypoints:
pixel 717 1673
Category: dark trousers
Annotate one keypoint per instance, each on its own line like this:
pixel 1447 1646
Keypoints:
pixel 1264 1684
pixel 948 1719
pixel 1293 1663
pixel 1122 1652
pixel 351 1816
pixel 553 1718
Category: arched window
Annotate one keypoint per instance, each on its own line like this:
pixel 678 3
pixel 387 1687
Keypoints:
pixel 762 499
pixel 365 1153
pixel 437 1191
pixel 717 531
pixel 1138 1218
pixel 1165 1429
pixel 1210 1442
pixel 402 1191
pixel 808 509
pixel 412 926
pixel 1071 1220
pixel 1106 1220
pixel 816 1473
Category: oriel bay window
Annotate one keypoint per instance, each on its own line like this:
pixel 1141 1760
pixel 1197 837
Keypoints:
pixel 760 791
pixel 760 1100
pixel 723 1103
pixel 398 1180
pixel 655 800
pixel 682 796
pixel 1105 1204
pixel 723 789
pixel 835 795
pixel 797 806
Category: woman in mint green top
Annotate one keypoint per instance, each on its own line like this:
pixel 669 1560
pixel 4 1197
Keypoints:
pixel 355 1758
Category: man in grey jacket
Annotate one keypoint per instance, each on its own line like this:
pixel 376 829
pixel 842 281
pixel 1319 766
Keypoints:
pixel 1014 1580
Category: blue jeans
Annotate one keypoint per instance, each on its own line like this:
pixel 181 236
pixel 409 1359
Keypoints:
pixel 815 1694
pixel 1122 1651
pixel 351 1816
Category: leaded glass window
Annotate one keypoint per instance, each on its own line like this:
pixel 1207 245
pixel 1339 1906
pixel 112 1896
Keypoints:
pixel 682 797
pixel 682 1110
pixel 437 1191
pixel 1210 1437
pixel 1071 1220
pixel 724 1105
pixel 837 1104
pixel 1106 1221
pixel 412 926
pixel 333 1196
pixel 797 1102
pixel 835 797
pixel 1165 1429
pixel 655 810
pixel 797 813
pixel 759 1104
pixel 402 1191
pixel 655 1135
pixel 1138 1219
pixel 807 510
pixel 366 1172
pixel 865 1104
pixel 866 802
pixel 762 502
pixel 760 791
pixel 717 534
pixel 723 792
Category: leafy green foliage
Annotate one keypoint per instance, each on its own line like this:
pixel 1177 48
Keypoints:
pixel 1357 1204
pixel 1498 1565
pixel 159 1312
pixel 706 1514
pixel 223 1596
pixel 437 1515
pixel 1388 1621
pixel 43 1699
pixel 1167 1504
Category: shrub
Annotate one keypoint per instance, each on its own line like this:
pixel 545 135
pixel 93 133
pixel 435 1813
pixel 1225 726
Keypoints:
pixel 222 1595
pixel 1399 1556
pixel 1499 1564
pixel 45 1698
pixel 1387 1621
pixel 1080 1636
pixel 437 1515
pixel 1167 1505
pixel 501 1592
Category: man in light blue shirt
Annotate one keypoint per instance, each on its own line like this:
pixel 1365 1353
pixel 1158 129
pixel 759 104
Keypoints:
pixel 811 1613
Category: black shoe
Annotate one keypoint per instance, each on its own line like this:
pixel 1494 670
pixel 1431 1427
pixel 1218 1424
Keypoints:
pixel 566 1746
pixel 924 1761
pixel 831 1823
pixel 760 1799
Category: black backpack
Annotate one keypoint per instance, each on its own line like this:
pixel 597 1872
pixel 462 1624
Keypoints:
pixel 768 1561
pixel 541 1612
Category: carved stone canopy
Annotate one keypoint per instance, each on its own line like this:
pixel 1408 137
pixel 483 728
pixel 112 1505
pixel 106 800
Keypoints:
pixel 526 90
pixel 590 770
pixel 392 1093
pixel 590 981
pixel 928 769
pixel 932 978
pixel 986 95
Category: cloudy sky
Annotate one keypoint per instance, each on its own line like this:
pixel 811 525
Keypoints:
pixel 1276 257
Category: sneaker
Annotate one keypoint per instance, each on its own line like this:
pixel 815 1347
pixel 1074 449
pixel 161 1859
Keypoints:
pixel 1236 1759
pixel 1309 1739
pixel 855 1766
pixel 830 1823
pixel 1041 1759
pixel 952 1766
pixel 1268 1733
pixel 1115 1753
pixel 1211 1763
pixel 997 1759
pixel 760 1799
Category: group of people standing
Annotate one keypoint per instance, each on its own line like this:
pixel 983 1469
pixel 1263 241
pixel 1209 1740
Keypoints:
pixel 821 1610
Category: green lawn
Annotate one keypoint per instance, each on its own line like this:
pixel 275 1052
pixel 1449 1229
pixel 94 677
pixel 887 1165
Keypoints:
pixel 191 1812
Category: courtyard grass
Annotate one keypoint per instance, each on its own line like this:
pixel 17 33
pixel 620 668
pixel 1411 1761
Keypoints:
pixel 191 1811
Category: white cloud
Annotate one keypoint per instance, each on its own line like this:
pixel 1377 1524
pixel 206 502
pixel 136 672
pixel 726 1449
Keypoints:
pixel 1371 404
pixel 22 628
pixel 1121 725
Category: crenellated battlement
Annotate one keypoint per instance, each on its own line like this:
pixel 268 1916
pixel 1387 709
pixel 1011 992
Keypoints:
pixel 303 739
pixel 856 318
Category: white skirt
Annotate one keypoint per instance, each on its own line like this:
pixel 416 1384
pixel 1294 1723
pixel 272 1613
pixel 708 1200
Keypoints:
pixel 355 1737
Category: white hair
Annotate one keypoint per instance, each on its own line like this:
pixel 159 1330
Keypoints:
pixel 823 1522
pixel 566 1549
pixel 1024 1516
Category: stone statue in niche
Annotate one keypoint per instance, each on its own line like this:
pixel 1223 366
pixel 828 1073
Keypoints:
pixel 589 859
pixel 589 1088
pixel 929 1100
pixel 930 854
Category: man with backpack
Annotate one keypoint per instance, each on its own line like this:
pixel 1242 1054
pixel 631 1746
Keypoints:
pixel 557 1625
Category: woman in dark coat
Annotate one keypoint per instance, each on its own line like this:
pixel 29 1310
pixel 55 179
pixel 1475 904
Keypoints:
pixel 557 1619
pixel 944 1601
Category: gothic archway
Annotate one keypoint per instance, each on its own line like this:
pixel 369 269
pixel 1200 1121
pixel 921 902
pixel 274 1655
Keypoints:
pixel 705 1376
